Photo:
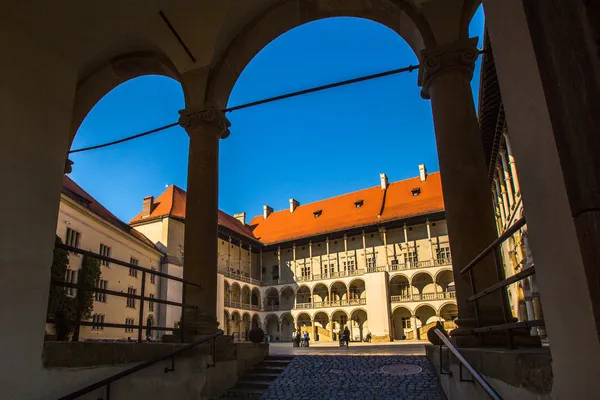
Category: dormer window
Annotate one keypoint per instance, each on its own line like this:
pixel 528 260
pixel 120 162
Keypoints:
pixel 416 191
pixel 317 213
pixel 358 203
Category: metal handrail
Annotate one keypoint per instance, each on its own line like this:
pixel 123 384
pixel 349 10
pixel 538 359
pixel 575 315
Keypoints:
pixel 480 379
pixel 107 381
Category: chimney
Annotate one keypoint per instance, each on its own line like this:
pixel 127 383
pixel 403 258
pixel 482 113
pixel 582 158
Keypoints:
pixel 384 180
pixel 293 204
pixel 267 211
pixel 422 172
pixel 147 206
pixel 240 217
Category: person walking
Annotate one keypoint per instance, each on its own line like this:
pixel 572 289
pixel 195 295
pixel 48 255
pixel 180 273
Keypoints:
pixel 347 336
pixel 306 339
pixel 298 338
pixel 294 343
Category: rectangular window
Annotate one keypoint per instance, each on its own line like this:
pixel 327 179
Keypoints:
pixel 104 251
pixel 131 300
pixel 151 303
pixel 129 322
pixel 72 238
pixel 443 255
pixel 370 262
pixel 153 277
pixel 97 320
pixel 101 284
pixel 305 270
pixel 413 258
pixel 349 265
pixel 134 272
pixel 71 277
pixel 406 323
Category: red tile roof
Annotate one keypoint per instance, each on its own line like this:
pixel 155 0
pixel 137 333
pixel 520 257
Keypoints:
pixel 76 193
pixel 172 202
pixel 340 213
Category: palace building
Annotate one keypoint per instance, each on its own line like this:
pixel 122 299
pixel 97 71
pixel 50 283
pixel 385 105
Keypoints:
pixel 376 260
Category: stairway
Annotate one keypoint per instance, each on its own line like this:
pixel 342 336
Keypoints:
pixel 324 334
pixel 256 382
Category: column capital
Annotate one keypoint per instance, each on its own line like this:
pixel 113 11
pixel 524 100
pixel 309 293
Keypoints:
pixel 459 56
pixel 194 118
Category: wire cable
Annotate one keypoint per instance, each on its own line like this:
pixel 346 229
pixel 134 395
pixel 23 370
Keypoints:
pixel 139 135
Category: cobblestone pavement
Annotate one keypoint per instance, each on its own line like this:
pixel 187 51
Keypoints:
pixel 404 348
pixel 366 377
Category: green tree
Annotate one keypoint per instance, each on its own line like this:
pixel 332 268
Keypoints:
pixel 62 308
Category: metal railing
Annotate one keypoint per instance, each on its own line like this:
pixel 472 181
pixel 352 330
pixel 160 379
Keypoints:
pixel 142 298
pixel 423 297
pixel 508 325
pixel 462 361
pixel 332 303
pixel 171 355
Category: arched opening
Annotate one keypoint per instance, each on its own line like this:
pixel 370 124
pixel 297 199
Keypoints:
pixel 226 323
pixel 400 289
pixel 272 328
pixel 245 328
pixel 303 297
pixel 322 327
pixel 358 292
pixel 304 324
pixel 287 298
pixel 402 323
pixel 256 321
pixel 359 326
pixel 227 294
pixel 236 295
pixel 423 287
pixel 444 281
pixel 320 295
pixel 339 320
pixel 246 295
pixel 235 326
pixel 255 299
pixel 448 313
pixel 426 317
pixel 339 294
pixel 287 325
pixel 271 300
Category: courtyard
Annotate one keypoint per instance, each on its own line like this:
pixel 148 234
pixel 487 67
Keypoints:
pixel 361 371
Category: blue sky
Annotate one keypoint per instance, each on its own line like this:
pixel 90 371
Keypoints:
pixel 310 147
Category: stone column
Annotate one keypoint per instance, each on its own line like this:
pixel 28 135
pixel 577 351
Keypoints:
pixel 279 263
pixel 406 249
pixel 415 327
pixel 205 127
pixel 364 243
pixel 445 76
pixel 430 242
pixel 331 329
pixel 294 261
pixel 250 261
pixel 385 246
pixel 328 268
pixel 229 256
pixel 513 166
pixel 507 178
pixel 346 253
pixel 310 261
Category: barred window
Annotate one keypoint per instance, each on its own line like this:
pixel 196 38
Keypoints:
pixel 413 257
pixel 97 320
pixel 131 300
pixel 104 251
pixel 70 277
pixel 151 303
pixel 133 272
pixel 153 277
pixel 72 238
pixel 443 254
pixel 130 323
pixel 101 284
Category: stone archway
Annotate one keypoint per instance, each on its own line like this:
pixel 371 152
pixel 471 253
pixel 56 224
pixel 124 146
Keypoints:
pixel 339 320
pixel 359 326
pixel 320 295
pixel 423 287
pixel 339 294
pixel 400 289
pixel 401 322
pixel 304 324
pixel 321 325
pixel 272 327
pixel 255 299
pixel 271 300
pixel 358 292
pixel 287 327
pixel 303 297
pixel 287 298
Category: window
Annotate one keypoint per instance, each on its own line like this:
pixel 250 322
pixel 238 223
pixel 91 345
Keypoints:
pixel 71 277
pixel 97 320
pixel 72 238
pixel 406 323
pixel 443 255
pixel 151 303
pixel 370 262
pixel 129 322
pixel 358 203
pixel 153 277
pixel 413 258
pixel 349 265
pixel 305 270
pixel 101 284
pixel 133 272
pixel 317 213
pixel 104 251
pixel 131 300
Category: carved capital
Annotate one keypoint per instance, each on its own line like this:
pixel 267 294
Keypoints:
pixel 193 119
pixel 455 57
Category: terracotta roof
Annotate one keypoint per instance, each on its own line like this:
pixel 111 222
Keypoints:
pixel 340 213
pixel 76 193
pixel 171 203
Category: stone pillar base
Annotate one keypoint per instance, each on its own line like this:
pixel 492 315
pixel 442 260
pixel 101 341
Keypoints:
pixel 380 338
pixel 197 325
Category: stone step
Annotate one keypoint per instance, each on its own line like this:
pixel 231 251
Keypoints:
pixel 268 370
pixel 258 376
pixel 237 393
pixel 251 384
pixel 279 358
pixel 274 363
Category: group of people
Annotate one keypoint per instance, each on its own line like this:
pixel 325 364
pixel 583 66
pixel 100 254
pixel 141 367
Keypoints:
pixel 300 339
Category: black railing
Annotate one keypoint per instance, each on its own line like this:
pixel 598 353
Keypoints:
pixel 171 355
pixel 142 298
pixel 508 324
pixel 462 361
